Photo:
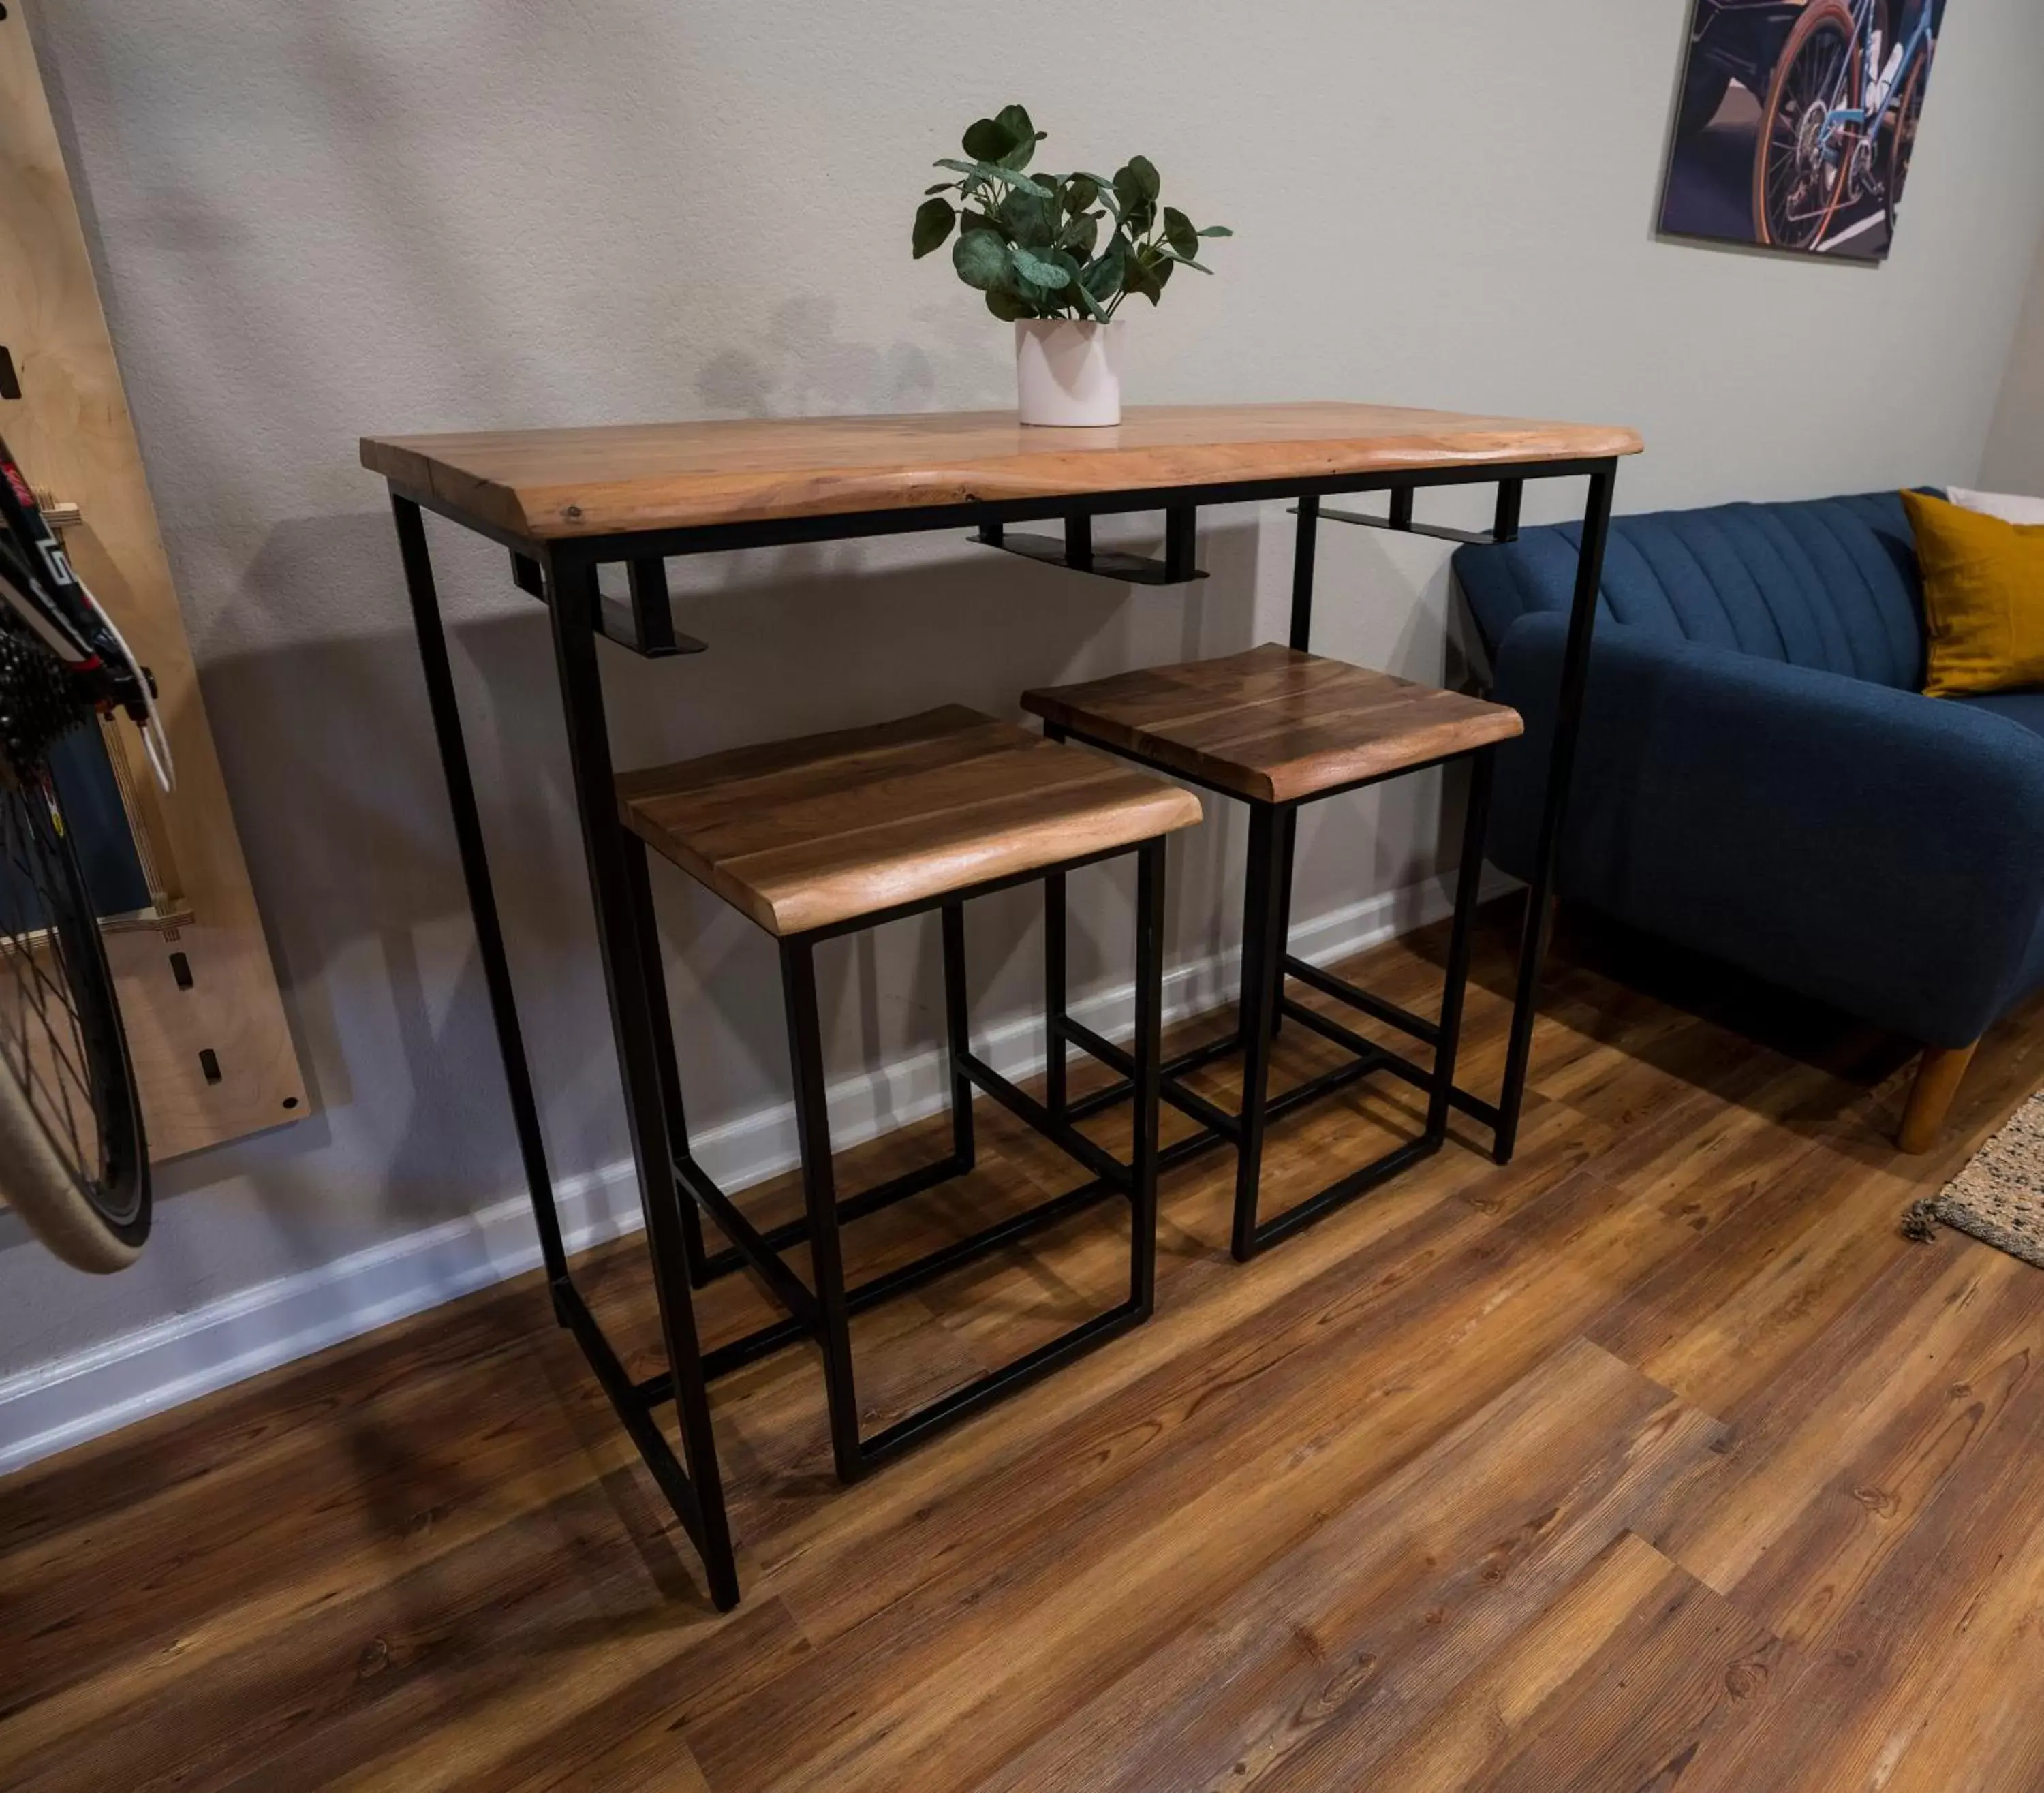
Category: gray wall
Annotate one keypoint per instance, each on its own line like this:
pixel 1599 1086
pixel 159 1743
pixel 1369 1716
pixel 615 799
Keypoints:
pixel 315 221
pixel 2015 445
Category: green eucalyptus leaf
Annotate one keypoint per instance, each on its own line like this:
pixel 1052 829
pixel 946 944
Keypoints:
pixel 1016 122
pixel 1102 276
pixel 978 220
pixel 1179 233
pixel 1136 182
pixel 988 171
pixel 1034 270
pixel 1005 305
pixel 1030 220
pixel 1217 230
pixel 1078 236
pixel 981 259
pixel 1081 191
pixel 1103 191
pixel 1074 290
pixel 1088 303
pixel 934 219
pixel 988 140
pixel 941 187
pixel 1186 261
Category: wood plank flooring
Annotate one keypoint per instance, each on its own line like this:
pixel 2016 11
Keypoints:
pixel 1658 1460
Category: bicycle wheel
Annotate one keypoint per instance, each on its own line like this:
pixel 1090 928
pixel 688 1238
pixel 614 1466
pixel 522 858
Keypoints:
pixel 1802 166
pixel 73 1163
pixel 1901 135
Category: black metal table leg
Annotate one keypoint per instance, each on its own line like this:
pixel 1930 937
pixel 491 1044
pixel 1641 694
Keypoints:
pixel 1561 768
pixel 1303 544
pixel 475 874
pixel 574 603
pixel 647 928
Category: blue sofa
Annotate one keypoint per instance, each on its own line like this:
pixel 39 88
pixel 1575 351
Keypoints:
pixel 1760 777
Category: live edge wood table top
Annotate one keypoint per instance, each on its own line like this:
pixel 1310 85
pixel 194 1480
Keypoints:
pixel 558 484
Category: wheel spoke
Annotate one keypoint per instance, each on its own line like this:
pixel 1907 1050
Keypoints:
pixel 50 1059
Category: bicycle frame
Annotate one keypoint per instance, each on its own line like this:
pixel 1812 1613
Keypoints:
pixel 38 585
pixel 1842 118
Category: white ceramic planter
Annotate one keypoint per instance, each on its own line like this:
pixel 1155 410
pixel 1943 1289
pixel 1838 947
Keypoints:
pixel 1067 372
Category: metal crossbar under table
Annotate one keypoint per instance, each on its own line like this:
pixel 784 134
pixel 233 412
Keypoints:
pixel 562 572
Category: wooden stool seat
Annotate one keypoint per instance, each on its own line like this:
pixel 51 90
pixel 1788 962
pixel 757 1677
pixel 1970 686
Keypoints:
pixel 1274 725
pixel 804 834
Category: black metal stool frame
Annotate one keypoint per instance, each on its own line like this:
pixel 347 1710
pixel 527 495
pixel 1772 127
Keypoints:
pixel 1266 961
pixel 823 1312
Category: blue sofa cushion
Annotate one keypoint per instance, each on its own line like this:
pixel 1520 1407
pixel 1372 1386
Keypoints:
pixel 2025 707
pixel 1830 584
pixel 1877 848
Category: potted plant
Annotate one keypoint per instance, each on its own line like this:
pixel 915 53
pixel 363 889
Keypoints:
pixel 1058 256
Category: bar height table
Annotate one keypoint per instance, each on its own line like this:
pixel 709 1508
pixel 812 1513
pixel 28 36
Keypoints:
pixel 566 502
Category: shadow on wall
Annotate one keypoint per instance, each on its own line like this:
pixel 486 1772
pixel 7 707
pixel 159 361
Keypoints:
pixel 334 775
pixel 801 366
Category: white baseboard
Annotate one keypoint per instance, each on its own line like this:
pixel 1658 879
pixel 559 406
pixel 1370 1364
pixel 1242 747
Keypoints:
pixel 56 1405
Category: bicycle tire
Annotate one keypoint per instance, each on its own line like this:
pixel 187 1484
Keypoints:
pixel 87 1199
pixel 1817 17
pixel 1902 137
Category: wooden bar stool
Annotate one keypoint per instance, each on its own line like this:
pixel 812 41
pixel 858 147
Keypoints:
pixel 1278 728
pixel 834 833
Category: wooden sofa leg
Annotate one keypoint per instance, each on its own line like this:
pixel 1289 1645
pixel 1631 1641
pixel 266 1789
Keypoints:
pixel 1938 1075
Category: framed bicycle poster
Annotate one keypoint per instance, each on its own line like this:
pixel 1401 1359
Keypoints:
pixel 1796 121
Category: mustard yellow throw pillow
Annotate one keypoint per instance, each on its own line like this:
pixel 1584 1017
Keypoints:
pixel 1983 597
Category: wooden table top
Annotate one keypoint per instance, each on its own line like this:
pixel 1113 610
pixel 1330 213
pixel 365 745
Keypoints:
pixel 552 484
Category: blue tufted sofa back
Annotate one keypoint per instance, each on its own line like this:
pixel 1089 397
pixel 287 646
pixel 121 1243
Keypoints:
pixel 1831 583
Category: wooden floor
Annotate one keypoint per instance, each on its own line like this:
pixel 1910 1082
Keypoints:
pixel 1659 1460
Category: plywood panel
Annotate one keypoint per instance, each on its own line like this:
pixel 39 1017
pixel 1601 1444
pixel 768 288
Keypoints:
pixel 72 431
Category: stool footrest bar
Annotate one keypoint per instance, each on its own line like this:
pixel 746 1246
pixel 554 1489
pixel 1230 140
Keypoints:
pixel 759 1254
pixel 998 1384
pixel 1418 1026
pixel 961 1252
pixel 1096 1100
pixel 1326 1084
pixel 736 1354
pixel 1186 1101
pixel 1338 1195
pixel 1386 1059
pixel 854 1208
pixel 1025 1107
pixel 633 1405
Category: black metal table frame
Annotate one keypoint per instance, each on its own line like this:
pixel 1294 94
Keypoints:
pixel 564 571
